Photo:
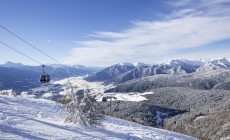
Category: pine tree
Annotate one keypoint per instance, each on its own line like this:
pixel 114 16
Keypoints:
pixel 91 110
pixel 83 108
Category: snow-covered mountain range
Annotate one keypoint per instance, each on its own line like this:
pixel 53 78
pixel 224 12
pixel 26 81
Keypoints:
pixel 23 77
pixel 122 72
pixel 57 71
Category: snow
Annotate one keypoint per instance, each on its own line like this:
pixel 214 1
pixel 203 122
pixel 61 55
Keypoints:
pixel 195 62
pixel 26 95
pixel 127 97
pixel 132 96
pixel 28 118
pixel 99 88
pixel 147 93
pixel 222 64
pixel 207 66
pixel 139 64
pixel 199 117
pixel 226 138
pixel 124 63
pixel 80 83
pixel 47 95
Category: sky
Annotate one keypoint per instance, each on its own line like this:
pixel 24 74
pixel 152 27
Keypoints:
pixel 105 32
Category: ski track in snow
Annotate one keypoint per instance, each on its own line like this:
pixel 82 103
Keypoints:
pixel 28 118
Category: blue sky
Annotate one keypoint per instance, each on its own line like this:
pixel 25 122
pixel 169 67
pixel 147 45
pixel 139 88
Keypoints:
pixel 104 32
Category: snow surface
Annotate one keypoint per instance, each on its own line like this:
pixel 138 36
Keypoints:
pixel 139 64
pixel 28 118
pixel 124 63
pixel 98 88
pixel 132 96
pixel 199 117
pixel 80 83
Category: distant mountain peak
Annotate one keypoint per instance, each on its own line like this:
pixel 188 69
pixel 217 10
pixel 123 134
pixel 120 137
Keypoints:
pixel 122 72
pixel 175 62
pixel 139 64
pixel 12 64
pixel 124 63
pixel 207 66
pixel 172 61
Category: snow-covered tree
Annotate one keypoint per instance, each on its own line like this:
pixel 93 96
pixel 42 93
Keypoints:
pixel 9 92
pixel 83 108
pixel 91 109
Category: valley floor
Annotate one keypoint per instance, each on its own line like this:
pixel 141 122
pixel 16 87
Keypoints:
pixel 29 118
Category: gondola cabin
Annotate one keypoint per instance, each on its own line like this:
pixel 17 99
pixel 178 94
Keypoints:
pixel 45 78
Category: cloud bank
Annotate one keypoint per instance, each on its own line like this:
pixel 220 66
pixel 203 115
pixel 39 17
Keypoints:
pixel 188 26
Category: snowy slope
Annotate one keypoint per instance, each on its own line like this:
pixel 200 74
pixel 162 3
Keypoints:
pixel 98 88
pixel 28 118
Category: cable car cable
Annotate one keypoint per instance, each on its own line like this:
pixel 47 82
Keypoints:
pixel 45 78
pixel 34 47
pixel 20 52
pixel 29 44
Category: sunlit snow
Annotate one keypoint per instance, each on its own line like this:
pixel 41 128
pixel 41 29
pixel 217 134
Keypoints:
pixel 98 88
pixel 27 118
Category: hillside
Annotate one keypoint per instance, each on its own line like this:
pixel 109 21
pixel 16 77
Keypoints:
pixel 27 118
pixel 21 77
pixel 164 101
pixel 18 80
pixel 205 80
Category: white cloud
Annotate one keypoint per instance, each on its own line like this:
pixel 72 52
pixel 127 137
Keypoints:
pixel 216 1
pixel 146 40
pixel 204 54
pixel 185 13
pixel 108 35
pixel 180 3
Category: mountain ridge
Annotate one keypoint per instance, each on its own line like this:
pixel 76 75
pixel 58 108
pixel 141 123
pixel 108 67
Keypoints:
pixel 123 72
pixel 20 77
